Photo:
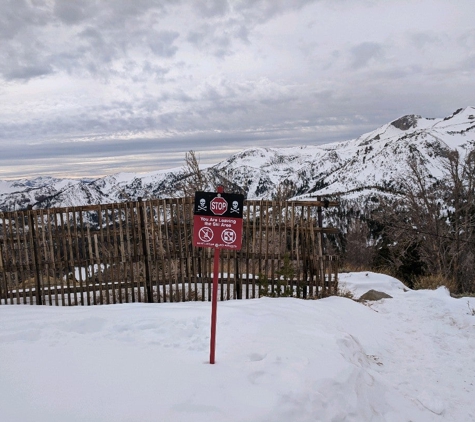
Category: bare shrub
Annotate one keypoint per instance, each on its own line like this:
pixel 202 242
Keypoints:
pixel 358 254
pixel 432 282
pixel 195 179
pixel 429 231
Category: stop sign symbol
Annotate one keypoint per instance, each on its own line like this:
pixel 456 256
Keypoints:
pixel 218 205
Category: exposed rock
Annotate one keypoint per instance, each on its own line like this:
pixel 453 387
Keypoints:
pixel 374 295
pixel 406 122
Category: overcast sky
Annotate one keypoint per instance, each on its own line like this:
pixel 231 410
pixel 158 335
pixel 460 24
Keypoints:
pixel 93 87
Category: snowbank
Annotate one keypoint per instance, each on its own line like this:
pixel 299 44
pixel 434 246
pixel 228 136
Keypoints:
pixel 357 284
pixel 400 359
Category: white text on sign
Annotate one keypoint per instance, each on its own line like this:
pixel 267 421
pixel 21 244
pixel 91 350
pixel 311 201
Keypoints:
pixel 218 222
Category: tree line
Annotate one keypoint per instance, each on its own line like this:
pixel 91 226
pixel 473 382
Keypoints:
pixel 423 233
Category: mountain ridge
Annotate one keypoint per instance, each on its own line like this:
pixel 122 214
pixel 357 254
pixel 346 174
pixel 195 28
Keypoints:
pixel 375 161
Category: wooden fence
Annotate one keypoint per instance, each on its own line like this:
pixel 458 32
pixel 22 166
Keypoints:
pixel 142 251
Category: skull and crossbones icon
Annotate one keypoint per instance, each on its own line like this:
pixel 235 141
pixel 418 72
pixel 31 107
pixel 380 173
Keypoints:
pixel 202 205
pixel 235 207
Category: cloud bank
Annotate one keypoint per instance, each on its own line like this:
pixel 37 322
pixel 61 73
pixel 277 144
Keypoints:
pixel 91 87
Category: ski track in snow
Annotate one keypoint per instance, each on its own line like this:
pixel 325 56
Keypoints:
pixel 434 358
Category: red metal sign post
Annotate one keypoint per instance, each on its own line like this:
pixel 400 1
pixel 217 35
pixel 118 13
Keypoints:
pixel 217 223
pixel 214 308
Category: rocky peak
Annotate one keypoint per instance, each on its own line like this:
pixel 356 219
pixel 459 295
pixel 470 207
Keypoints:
pixel 406 122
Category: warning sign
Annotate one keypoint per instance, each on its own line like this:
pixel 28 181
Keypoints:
pixel 218 220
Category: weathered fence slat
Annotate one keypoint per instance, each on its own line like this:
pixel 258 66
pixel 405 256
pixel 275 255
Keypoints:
pixel 19 261
pixel 130 249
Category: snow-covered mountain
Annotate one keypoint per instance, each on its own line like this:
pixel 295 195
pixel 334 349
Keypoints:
pixel 375 161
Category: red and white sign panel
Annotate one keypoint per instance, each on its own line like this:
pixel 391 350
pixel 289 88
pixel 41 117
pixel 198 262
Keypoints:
pixel 217 232
pixel 218 220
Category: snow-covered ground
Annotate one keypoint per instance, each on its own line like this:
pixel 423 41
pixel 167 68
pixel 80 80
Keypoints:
pixel 409 358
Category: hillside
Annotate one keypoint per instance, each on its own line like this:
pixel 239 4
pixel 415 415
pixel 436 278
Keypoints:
pixel 373 162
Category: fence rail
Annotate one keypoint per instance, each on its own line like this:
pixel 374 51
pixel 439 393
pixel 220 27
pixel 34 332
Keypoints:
pixel 142 251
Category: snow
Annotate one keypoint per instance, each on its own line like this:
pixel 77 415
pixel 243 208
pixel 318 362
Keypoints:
pixel 357 284
pixel 401 359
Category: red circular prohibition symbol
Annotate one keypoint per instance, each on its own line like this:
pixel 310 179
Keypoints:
pixel 205 234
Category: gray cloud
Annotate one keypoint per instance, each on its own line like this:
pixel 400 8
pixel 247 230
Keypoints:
pixel 18 15
pixel 162 43
pixel 467 40
pixel 468 63
pixel 74 11
pixel 211 8
pixel 264 10
pixel 24 62
pixel 423 39
pixel 77 36
pixel 118 82
pixel 362 54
